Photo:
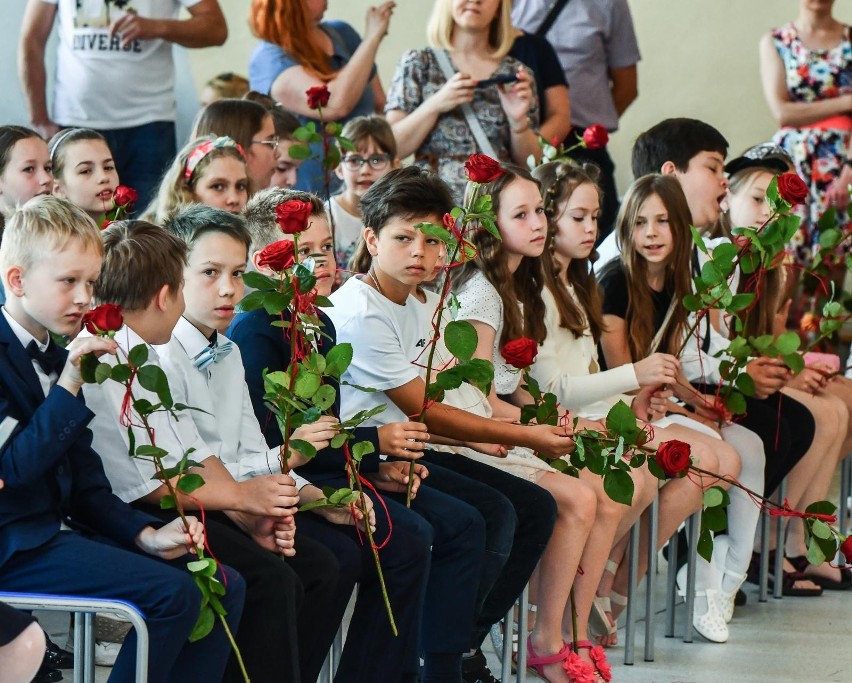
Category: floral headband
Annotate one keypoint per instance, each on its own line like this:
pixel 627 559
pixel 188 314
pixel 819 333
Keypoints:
pixel 202 150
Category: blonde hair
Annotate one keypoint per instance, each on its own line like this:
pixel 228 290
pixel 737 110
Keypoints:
pixel 175 190
pixel 501 33
pixel 43 225
pixel 228 85
pixel 259 214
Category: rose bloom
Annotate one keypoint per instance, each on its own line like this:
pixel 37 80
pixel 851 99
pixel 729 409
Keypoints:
pixel 595 136
pixel 104 318
pixel 520 353
pixel 674 457
pixel 292 216
pixel 481 168
pixel 792 189
pixel 317 96
pixel 124 195
pixel 278 256
pixel 846 549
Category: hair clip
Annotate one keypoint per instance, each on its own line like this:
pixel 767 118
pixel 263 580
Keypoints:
pixel 204 148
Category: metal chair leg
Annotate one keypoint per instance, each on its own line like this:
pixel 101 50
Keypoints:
pixel 633 571
pixel 522 631
pixel 671 586
pixel 651 579
pixel 506 664
pixel 693 526
pixel 763 595
pixel 778 587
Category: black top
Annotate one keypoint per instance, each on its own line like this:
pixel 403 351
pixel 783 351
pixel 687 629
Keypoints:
pixel 613 284
pixel 538 54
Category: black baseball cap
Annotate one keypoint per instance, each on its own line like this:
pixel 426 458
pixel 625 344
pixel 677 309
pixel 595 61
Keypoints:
pixel 766 155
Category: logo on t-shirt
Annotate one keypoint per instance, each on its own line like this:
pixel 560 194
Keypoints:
pixel 421 344
pixel 91 21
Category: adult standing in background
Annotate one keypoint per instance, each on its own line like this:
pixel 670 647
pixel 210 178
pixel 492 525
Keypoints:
pixel 299 51
pixel 596 45
pixel 806 69
pixel 115 73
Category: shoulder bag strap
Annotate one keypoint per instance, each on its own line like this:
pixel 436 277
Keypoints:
pixel 473 123
pixel 552 15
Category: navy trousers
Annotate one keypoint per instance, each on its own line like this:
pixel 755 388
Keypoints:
pixel 165 592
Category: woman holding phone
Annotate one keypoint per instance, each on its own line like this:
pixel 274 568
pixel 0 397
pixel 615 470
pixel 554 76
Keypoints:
pixel 464 94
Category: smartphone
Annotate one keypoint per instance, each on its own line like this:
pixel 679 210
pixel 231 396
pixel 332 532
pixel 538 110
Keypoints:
pixel 497 80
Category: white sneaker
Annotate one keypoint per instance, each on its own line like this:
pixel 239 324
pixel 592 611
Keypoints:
pixel 106 652
pixel 711 624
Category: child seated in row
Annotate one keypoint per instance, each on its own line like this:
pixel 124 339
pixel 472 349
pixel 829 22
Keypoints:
pixel 209 369
pixel 248 522
pixel 454 529
pixel 56 493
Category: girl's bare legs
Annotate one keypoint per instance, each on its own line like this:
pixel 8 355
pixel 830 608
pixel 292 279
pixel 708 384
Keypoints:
pixel 832 417
pixel 575 513
pixel 20 659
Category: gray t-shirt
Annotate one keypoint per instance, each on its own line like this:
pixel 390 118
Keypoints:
pixel 590 37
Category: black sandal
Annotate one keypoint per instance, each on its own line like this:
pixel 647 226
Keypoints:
pixel 789 580
pixel 801 564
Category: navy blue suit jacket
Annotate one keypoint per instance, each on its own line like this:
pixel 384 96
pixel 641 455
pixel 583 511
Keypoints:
pixel 264 347
pixel 50 471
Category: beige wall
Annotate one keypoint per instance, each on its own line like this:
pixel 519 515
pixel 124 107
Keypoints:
pixel 699 60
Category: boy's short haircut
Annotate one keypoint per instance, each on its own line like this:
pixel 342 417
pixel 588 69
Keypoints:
pixel 259 214
pixel 191 222
pixel 139 258
pixel 43 225
pixel 405 193
pixel 373 127
pixel 675 140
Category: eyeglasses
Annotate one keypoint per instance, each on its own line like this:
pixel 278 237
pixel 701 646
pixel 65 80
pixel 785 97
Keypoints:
pixel 377 162
pixel 272 142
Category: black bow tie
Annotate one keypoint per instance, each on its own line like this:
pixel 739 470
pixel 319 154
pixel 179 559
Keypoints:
pixel 51 360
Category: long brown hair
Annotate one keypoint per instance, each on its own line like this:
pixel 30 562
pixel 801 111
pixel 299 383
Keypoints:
pixel 558 182
pixel 640 325
pixel 286 23
pixel 523 286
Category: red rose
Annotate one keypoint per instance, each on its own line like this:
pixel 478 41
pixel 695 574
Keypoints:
pixel 103 318
pixel 278 256
pixel 846 549
pixel 124 196
pixel 595 136
pixel 520 353
pixel 107 222
pixel 481 168
pixel 292 216
pixel 317 96
pixel 674 457
pixel 792 189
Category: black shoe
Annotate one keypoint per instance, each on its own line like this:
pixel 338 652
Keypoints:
pixel 740 599
pixel 56 657
pixel 475 669
pixel 47 674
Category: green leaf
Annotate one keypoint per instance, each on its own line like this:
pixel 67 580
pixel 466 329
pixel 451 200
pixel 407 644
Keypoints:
pixel 741 301
pixel 773 198
pixel 276 302
pixel 822 507
pixel 620 421
pixel 745 384
pixel 749 262
pixel 306 448
pixel 434 230
pixel 815 554
pixel 251 301
pixel 204 623
pixel 698 239
pixel 190 482
pixel 121 373
pixel 306 383
pixel 794 361
pixel 461 339
pixel 788 342
pixel 88 364
pixel 339 439
pixel 736 403
pixel 138 355
pixel 691 303
pixel 711 274
pixel 362 448
pixel 714 519
pixel 152 378
pixel 713 497
pixel 255 280
pixel 488 223
pixel 324 397
pixel 820 529
pixel 167 502
pixel 147 451
pixel 705 544
pixel 618 486
pixel 337 360
pixel 102 372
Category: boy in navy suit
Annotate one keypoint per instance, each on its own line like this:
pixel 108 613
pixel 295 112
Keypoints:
pixel 56 497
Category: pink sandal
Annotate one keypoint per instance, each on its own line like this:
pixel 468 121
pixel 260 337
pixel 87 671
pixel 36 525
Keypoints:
pixel 537 663
pixel 600 667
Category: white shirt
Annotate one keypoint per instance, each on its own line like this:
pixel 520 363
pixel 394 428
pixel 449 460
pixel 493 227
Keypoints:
pixel 227 424
pixel 386 338
pixel 131 478
pixel 46 381
pixel 567 366
pixel 347 233
pixel 101 85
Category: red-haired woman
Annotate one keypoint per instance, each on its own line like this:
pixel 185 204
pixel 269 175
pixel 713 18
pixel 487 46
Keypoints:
pixel 299 51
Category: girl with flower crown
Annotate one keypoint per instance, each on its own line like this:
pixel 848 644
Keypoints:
pixel 209 170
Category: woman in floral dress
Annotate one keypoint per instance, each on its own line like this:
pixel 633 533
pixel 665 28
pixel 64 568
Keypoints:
pixel 806 68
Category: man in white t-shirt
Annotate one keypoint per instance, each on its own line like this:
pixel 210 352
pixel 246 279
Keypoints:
pixel 115 73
